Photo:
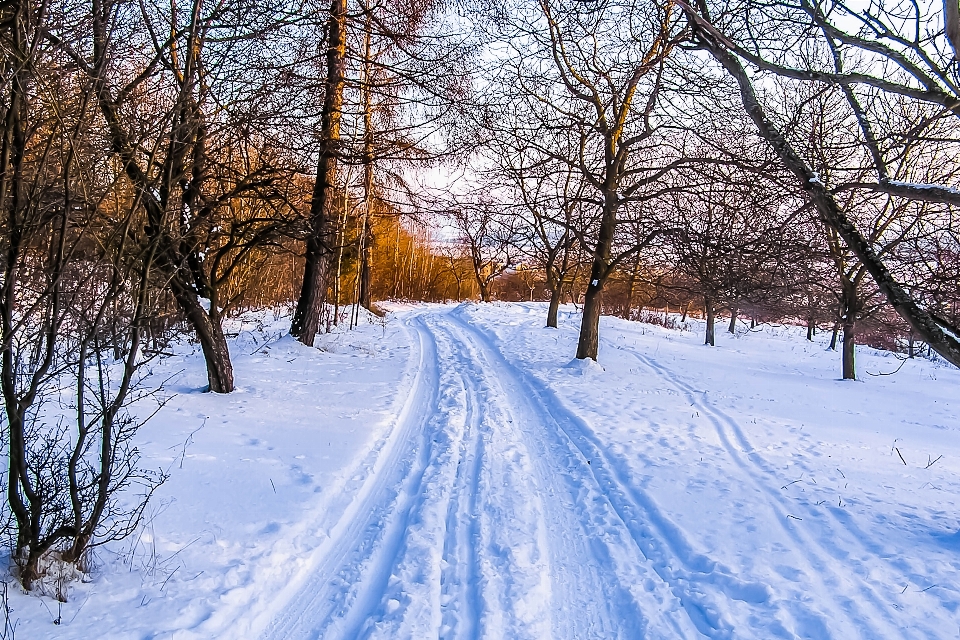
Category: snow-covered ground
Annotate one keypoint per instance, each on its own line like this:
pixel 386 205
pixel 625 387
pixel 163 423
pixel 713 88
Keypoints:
pixel 453 473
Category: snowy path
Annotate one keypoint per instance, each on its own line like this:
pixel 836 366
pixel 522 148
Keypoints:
pixel 347 578
pixel 498 512
pixel 486 520
pixel 452 473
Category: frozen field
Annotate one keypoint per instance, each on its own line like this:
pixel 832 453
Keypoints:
pixel 453 473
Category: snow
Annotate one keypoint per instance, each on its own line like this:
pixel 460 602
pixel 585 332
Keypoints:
pixel 451 473
pixel 922 185
pixel 584 367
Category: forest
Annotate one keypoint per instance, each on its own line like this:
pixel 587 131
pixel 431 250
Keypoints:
pixel 165 166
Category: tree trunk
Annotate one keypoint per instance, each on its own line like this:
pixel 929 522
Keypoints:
pixel 848 318
pixel 810 329
pixel 733 321
pixel 319 249
pixel 209 329
pixel 12 151
pixel 484 290
pixel 22 497
pixel 366 235
pixel 683 318
pixel 588 345
pixel 365 275
pixel 590 323
pixel 951 22
pixel 710 314
pixel 849 350
pixel 631 283
pixel 554 309
pixel 213 343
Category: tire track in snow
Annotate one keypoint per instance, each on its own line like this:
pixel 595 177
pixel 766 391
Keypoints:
pixel 821 557
pixel 632 526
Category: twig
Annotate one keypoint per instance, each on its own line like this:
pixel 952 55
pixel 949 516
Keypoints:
pixel 182 549
pixel 794 482
pixel 930 462
pixel 890 373
pixel 266 343
pixel 901 456
pixel 7 627
pixel 189 440
pixel 48 610
pixel 794 517
pixel 78 609
pixel 168 578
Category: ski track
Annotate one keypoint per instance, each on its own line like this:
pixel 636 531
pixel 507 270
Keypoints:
pixel 875 619
pixel 333 595
pixel 581 534
pixel 691 577
pixel 433 586
pixel 427 552
pixel 492 510
pixel 460 579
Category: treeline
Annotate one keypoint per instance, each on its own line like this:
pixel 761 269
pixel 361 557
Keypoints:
pixel 164 165
pixel 640 137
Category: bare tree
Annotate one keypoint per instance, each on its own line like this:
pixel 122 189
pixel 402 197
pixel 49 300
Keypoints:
pixel 75 291
pixel 732 239
pixel 891 56
pixel 487 236
pixel 547 201
pixel 390 72
pixel 320 242
pixel 589 84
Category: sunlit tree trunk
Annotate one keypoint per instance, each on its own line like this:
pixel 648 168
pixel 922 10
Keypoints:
pixel 319 245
